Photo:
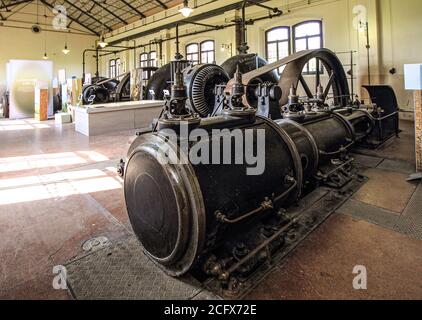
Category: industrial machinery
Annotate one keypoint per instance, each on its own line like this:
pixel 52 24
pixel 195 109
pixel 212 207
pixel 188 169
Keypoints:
pixel 104 90
pixel 218 219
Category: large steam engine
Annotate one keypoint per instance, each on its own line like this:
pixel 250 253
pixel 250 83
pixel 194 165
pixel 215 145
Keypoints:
pixel 225 220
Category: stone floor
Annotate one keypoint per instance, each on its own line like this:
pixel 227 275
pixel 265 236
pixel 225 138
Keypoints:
pixel 58 189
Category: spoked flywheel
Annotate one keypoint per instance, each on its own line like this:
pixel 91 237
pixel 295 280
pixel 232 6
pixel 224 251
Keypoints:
pixel 317 73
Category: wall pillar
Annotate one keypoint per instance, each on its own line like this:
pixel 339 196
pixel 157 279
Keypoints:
pixel 418 129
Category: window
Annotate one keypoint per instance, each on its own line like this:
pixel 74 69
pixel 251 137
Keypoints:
pixel 277 44
pixel 307 36
pixel 148 59
pixel 112 68
pixel 144 60
pixel 207 51
pixel 192 53
pixel 118 65
pixel 152 59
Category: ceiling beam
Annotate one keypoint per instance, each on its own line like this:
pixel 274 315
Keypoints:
pixel 171 25
pixel 134 9
pixel 88 14
pixel 10 5
pixel 110 12
pixel 162 5
pixel 73 19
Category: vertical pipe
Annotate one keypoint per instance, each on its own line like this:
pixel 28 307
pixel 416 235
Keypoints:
pixel 83 66
pixel 352 75
pixel 368 47
pixel 97 73
pixel 318 76
pixel 178 56
pixel 243 48
pixel 134 54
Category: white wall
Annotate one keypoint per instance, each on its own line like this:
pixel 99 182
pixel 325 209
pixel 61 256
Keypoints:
pixel 20 42
pixel 23 44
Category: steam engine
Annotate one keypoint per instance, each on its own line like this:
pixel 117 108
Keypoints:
pixel 219 219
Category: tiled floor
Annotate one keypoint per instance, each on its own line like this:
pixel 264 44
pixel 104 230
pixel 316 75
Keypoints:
pixel 58 189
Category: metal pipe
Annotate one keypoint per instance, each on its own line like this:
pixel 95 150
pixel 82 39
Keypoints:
pixel 83 59
pixel 265 205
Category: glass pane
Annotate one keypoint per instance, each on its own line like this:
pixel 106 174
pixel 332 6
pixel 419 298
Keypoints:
pixel 300 45
pixel 272 52
pixel 207 46
pixel 283 49
pixel 207 57
pixel 312 65
pixel 153 55
pixel 308 29
pixel 204 58
pixel 192 48
pixel 278 34
pixel 314 43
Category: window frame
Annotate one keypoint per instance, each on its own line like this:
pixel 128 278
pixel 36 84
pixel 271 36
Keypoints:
pixel 141 61
pixel 194 62
pixel 152 62
pixel 201 52
pixel 288 40
pixel 320 35
pixel 118 64
pixel 112 68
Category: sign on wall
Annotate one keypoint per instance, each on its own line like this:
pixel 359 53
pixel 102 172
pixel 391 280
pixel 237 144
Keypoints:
pixel 22 77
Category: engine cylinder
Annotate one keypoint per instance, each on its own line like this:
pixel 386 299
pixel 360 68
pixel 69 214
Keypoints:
pixel 181 211
pixel 173 208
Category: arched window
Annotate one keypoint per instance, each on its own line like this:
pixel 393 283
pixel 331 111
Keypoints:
pixel 208 51
pixel 277 44
pixel 192 53
pixel 143 60
pixel 112 68
pixel 307 36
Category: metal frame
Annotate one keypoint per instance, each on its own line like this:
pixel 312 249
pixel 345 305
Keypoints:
pixel 118 13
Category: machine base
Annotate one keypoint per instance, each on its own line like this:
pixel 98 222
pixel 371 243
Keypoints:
pixel 122 271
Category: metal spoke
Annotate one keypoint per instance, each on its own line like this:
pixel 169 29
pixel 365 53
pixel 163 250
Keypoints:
pixel 305 86
pixel 329 84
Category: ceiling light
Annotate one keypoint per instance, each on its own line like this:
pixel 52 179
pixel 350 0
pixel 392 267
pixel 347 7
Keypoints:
pixel 65 50
pixel 102 43
pixel 186 11
pixel 45 57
